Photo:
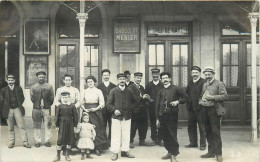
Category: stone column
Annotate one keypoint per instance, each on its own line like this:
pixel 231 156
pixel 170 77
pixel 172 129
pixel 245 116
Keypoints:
pixel 253 20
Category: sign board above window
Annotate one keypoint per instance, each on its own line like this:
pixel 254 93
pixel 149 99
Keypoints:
pixel 167 29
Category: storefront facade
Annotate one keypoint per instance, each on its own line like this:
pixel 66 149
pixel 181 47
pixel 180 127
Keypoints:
pixel 135 36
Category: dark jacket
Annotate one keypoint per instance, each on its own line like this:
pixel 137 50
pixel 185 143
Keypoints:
pixel 122 101
pixel 193 92
pixel 105 90
pixel 152 90
pixel 167 95
pixel 42 90
pixel 5 101
pixel 129 84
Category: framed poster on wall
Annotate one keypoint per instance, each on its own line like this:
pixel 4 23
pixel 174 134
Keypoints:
pixel 33 64
pixel 36 37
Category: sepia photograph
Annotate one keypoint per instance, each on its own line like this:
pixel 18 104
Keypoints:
pixel 130 80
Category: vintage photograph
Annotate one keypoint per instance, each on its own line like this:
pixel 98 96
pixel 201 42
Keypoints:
pixel 141 81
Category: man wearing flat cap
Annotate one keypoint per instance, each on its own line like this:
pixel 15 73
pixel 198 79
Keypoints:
pixel 152 89
pixel 128 78
pixel 119 103
pixel 213 92
pixel 196 113
pixel 166 112
pixel 11 99
pixel 106 87
pixel 42 97
pixel 140 115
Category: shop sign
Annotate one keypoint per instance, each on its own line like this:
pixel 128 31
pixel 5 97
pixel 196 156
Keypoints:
pixel 167 30
pixel 126 35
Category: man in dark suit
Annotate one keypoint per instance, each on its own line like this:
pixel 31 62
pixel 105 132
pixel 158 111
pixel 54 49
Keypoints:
pixel 3 84
pixel 12 98
pixel 152 89
pixel 140 115
pixel 106 87
pixel 196 113
pixel 128 78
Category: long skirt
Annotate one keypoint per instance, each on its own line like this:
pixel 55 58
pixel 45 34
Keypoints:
pixel 96 118
pixel 66 133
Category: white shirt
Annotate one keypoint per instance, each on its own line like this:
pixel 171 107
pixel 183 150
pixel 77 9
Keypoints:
pixel 122 87
pixel 11 87
pixel 93 95
pixel 156 82
pixel 166 86
pixel 74 95
pixel 106 83
pixel 195 80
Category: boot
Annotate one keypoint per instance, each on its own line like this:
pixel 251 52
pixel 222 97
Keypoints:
pixel 82 156
pixel 58 156
pixel 88 156
pixel 67 156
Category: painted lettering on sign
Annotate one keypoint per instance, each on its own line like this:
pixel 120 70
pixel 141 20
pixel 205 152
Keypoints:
pixel 167 30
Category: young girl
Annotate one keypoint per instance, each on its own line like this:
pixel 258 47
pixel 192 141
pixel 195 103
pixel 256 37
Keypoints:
pixel 87 135
pixel 66 120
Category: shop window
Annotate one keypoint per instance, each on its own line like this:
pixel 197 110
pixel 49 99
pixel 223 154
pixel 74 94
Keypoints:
pixel 67 63
pixel 180 64
pixel 230 64
pixel 156 58
pixel 91 63
pixel 248 67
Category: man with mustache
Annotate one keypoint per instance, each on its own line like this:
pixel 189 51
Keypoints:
pixel 152 88
pixel 12 98
pixel 106 87
pixel 119 103
pixel 213 91
pixel 196 113
pixel 166 112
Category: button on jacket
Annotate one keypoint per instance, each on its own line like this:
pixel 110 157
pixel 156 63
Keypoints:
pixel 122 101
pixel 42 91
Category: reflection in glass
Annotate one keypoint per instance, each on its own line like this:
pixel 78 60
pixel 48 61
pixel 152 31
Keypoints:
pixel 175 54
pixel 160 54
pixel 184 54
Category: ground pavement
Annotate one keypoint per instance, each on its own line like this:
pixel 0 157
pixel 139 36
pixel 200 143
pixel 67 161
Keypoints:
pixel 236 148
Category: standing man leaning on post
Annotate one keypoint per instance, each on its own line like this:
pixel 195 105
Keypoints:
pixel 213 92
pixel 196 113
pixel 106 87
pixel 152 89
pixel 11 99
pixel 166 111
pixel 42 97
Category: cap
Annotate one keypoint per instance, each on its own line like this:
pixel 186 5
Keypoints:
pixel 9 76
pixel 196 68
pixel 127 72
pixel 65 93
pixel 120 75
pixel 155 70
pixel 105 70
pixel 138 74
pixel 165 73
pixel 40 73
pixel 209 69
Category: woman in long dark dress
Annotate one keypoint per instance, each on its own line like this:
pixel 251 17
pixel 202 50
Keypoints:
pixel 66 120
pixel 93 101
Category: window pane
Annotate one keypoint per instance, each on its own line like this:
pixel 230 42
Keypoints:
pixel 94 72
pixel 71 56
pixel 152 55
pixel 94 55
pixel 184 54
pixel 226 54
pixel 86 71
pixel 160 54
pixel 234 76
pixel 234 54
pixel 87 56
pixel 175 54
pixel 226 75
pixel 248 54
pixel 63 56
pixel 184 76
pixel 175 75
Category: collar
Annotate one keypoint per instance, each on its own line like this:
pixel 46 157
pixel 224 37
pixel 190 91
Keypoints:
pixel 194 81
pixel 156 82
pixel 106 83
pixel 11 87
pixel 137 85
pixel 121 87
pixel 166 86
pixel 211 81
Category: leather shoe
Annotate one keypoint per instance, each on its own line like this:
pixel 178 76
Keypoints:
pixel 114 157
pixel 132 145
pixel 208 155
pixel 143 143
pixel 160 143
pixel 47 144
pixel 167 156
pixel 173 158
pixel 127 154
pixel 152 143
pixel 88 156
pixel 37 144
pixel 27 145
pixel 191 145
pixel 98 153
pixel 219 158
pixel 202 148
pixel 11 145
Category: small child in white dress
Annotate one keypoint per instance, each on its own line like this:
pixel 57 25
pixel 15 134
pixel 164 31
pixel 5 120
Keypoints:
pixel 87 135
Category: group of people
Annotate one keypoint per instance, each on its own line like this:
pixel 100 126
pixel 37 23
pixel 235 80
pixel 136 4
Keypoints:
pixel 82 118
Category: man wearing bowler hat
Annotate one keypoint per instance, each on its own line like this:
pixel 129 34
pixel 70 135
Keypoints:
pixel 42 97
pixel 213 91
pixel 152 89
pixel 11 100
pixel 196 113
pixel 128 78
